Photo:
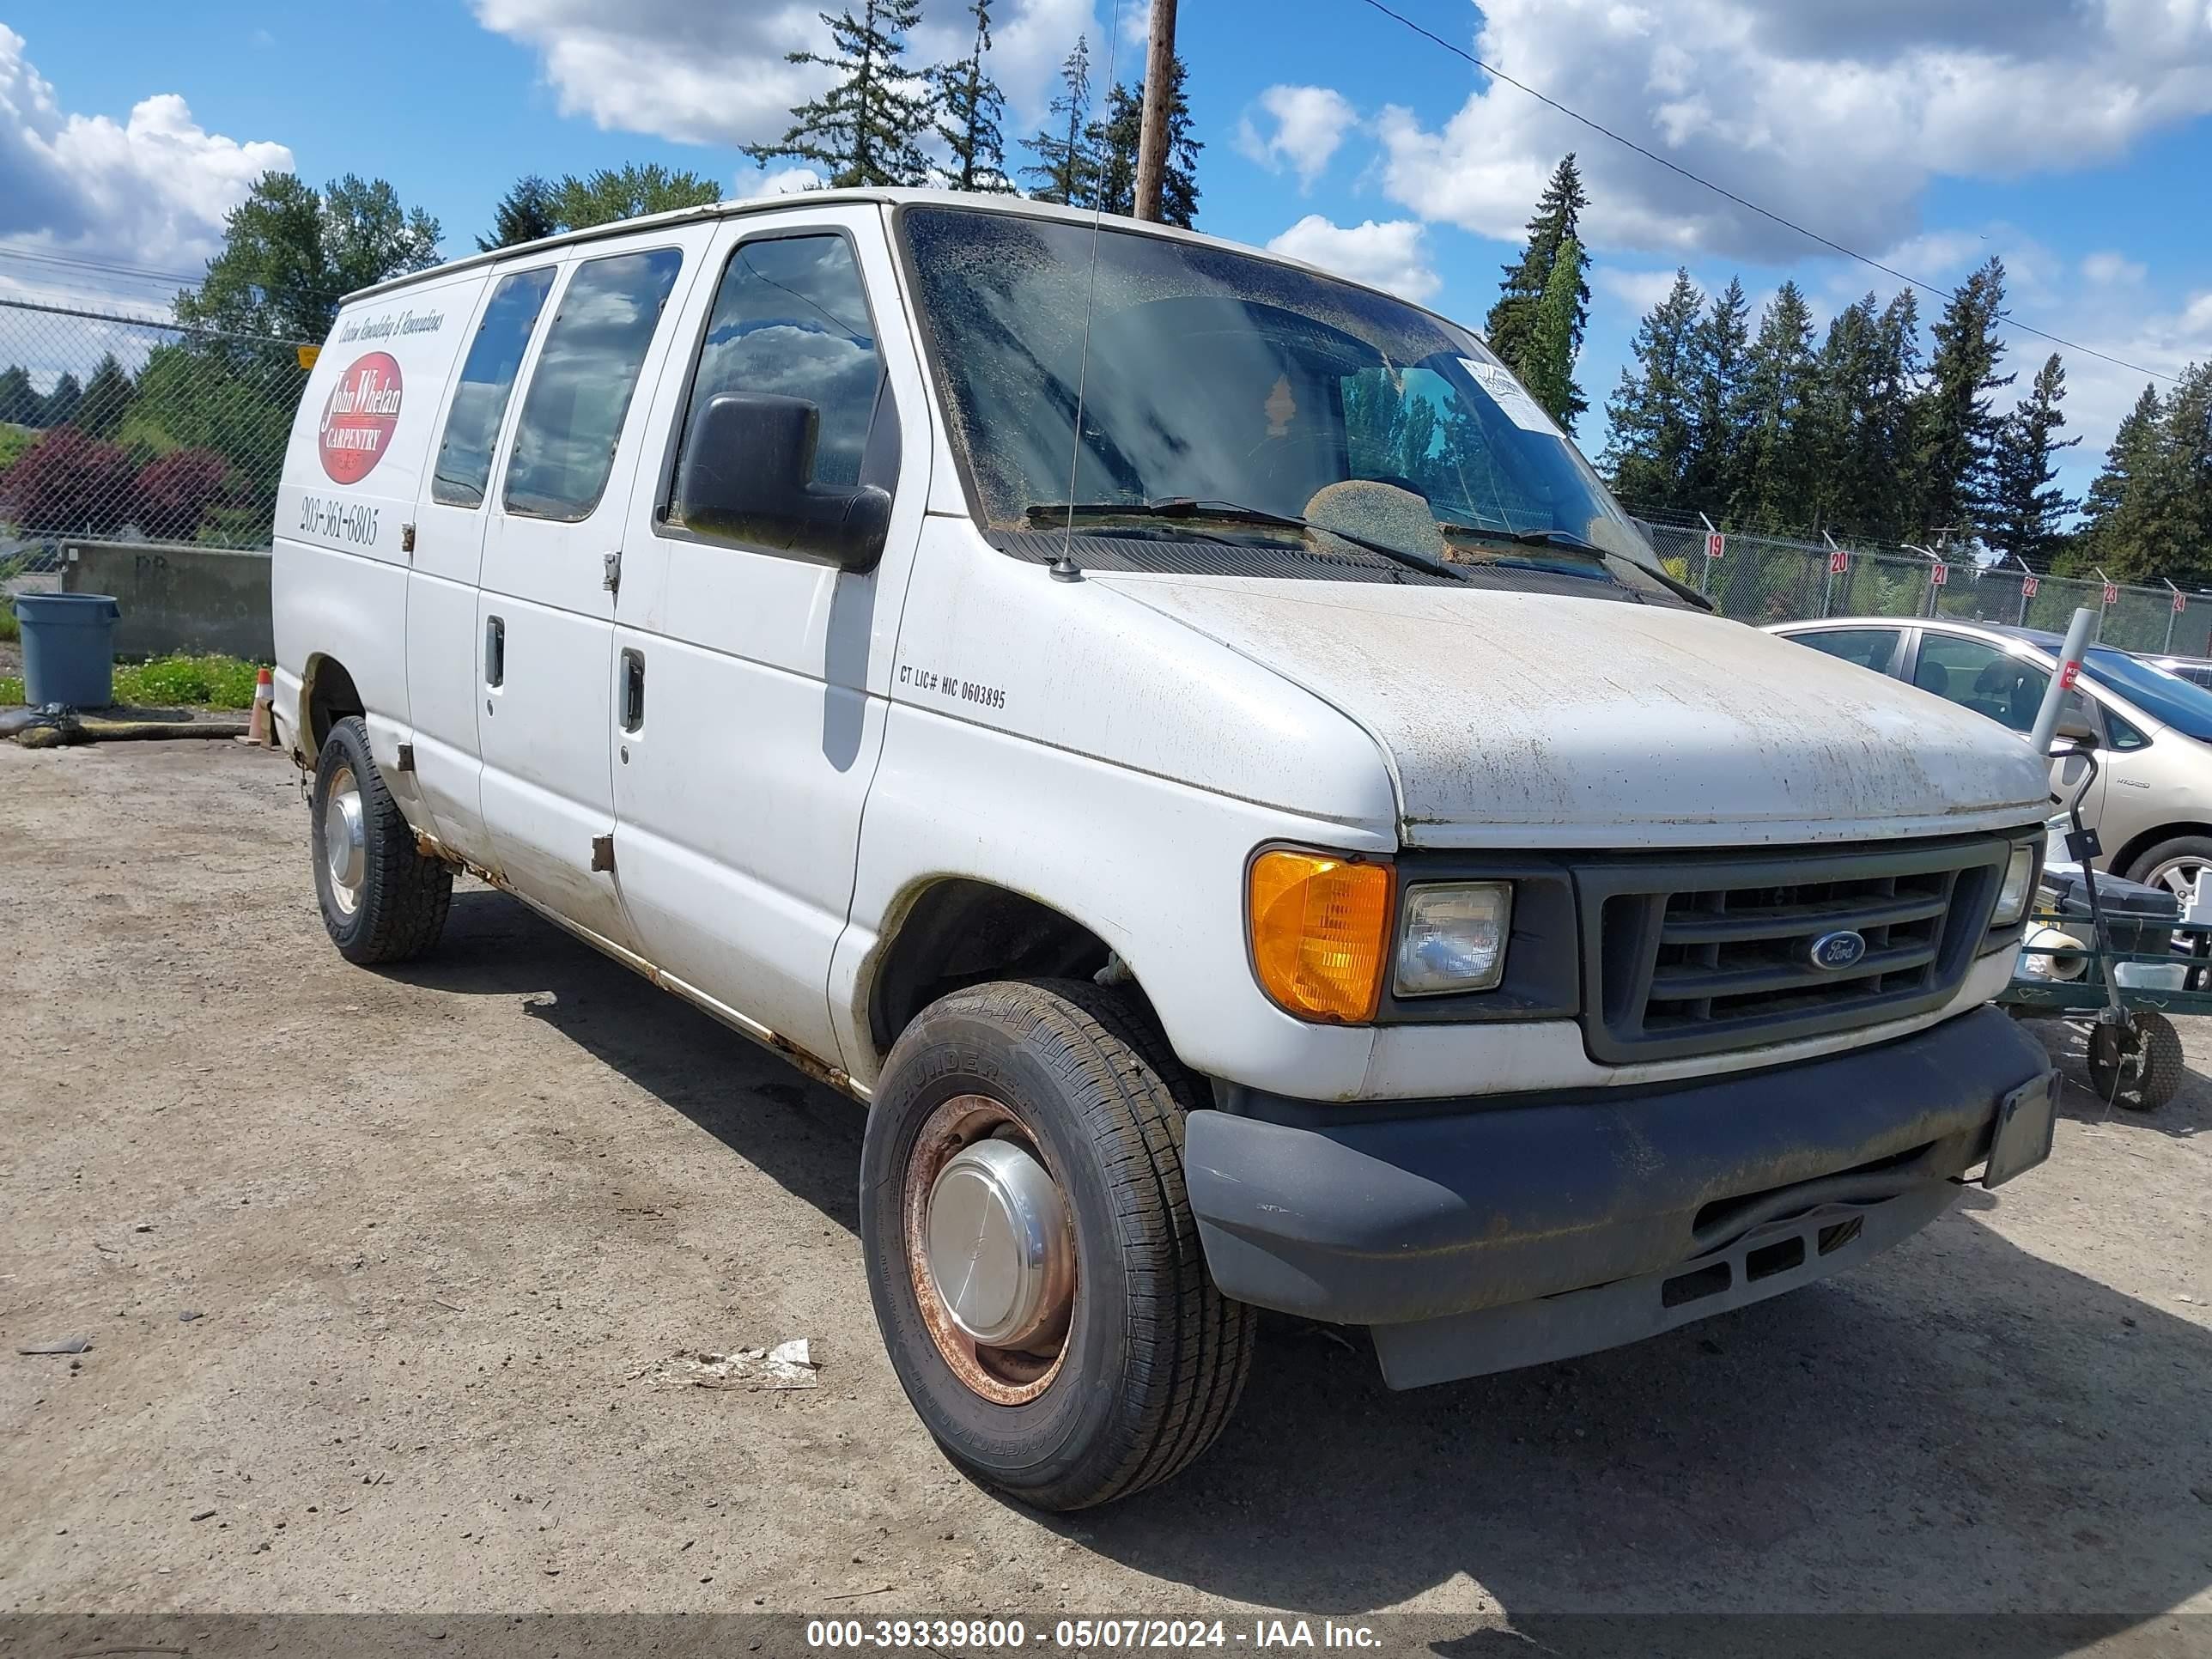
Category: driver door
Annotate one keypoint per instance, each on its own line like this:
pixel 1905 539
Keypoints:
pixel 2008 687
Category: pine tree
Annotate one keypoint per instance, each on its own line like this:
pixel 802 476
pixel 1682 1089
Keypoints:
pixel 2029 509
pixel 1067 172
pixel 1842 417
pixel 1954 433
pixel 629 192
pixel 19 403
pixel 970 107
pixel 867 129
pixel 1549 373
pixel 1114 142
pixel 1720 351
pixel 106 398
pixel 523 213
pixel 60 406
pixel 1558 220
pixel 1653 410
pixel 2117 494
pixel 1780 462
pixel 2151 508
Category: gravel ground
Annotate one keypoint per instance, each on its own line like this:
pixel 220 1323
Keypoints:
pixel 381 1272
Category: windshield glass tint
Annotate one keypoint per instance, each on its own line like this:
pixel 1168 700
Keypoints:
pixel 2165 697
pixel 1221 376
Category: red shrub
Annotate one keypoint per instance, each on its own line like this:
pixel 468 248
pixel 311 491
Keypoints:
pixel 173 494
pixel 67 484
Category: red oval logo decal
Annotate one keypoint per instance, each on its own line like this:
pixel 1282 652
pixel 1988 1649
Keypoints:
pixel 358 416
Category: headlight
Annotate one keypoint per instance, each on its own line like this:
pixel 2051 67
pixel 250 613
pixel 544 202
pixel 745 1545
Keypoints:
pixel 1454 937
pixel 2018 887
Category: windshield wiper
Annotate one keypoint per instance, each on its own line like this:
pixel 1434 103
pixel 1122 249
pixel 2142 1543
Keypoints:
pixel 1567 541
pixel 1186 507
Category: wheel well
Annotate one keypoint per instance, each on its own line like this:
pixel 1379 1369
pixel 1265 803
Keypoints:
pixel 330 698
pixel 2121 861
pixel 960 932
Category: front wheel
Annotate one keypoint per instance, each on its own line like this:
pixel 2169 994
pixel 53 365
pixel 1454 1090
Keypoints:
pixel 382 899
pixel 1031 1251
pixel 2174 864
pixel 2141 1068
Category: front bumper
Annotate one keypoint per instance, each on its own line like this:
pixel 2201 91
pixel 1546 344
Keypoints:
pixel 1632 1198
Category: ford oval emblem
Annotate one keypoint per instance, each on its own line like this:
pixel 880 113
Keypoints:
pixel 1834 951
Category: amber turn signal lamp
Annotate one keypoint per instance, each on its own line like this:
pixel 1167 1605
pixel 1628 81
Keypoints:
pixel 1319 924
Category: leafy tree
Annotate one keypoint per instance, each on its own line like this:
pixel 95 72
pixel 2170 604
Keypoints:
pixel 173 494
pixel 1512 320
pixel 60 406
pixel 1067 172
pixel 106 398
pixel 2029 508
pixel 1116 140
pixel 525 213
pixel 867 129
pixel 290 253
pixel 19 403
pixel 1954 433
pixel 628 192
pixel 1549 373
pixel 1780 461
pixel 67 484
pixel 1720 357
pixel 1651 411
pixel 970 107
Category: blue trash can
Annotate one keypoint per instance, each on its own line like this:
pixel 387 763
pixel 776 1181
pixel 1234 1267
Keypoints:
pixel 68 654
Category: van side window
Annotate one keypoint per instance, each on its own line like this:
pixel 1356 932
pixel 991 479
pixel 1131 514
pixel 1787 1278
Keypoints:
pixel 487 381
pixel 580 391
pixel 791 318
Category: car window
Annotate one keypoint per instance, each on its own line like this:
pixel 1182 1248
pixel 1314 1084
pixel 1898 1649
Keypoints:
pixel 1987 679
pixel 580 391
pixel 2120 734
pixel 487 381
pixel 791 319
pixel 1870 648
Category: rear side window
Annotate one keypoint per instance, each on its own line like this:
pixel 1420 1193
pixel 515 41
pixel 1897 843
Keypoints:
pixel 586 373
pixel 791 318
pixel 487 382
pixel 1870 648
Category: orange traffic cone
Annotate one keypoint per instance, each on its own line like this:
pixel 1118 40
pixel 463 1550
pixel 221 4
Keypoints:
pixel 261 730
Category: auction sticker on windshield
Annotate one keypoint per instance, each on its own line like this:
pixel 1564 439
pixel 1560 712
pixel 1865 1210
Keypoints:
pixel 1506 392
pixel 359 416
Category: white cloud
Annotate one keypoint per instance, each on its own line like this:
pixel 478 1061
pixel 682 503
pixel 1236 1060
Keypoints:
pixel 783 181
pixel 1309 123
pixel 718 74
pixel 1834 112
pixel 1639 291
pixel 2110 270
pixel 151 190
pixel 1392 256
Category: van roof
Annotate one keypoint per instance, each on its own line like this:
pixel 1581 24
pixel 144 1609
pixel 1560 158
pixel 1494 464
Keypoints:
pixel 998 203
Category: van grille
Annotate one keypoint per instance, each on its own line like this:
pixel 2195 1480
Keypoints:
pixel 1697 956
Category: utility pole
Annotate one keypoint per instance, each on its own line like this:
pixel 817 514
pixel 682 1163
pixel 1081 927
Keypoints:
pixel 1152 134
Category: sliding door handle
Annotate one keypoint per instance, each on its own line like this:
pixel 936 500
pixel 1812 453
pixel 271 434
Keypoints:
pixel 494 651
pixel 633 690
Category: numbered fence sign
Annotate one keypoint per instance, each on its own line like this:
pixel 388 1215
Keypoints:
pixel 2181 602
pixel 1940 575
pixel 1839 562
pixel 2111 593
pixel 2028 585
pixel 1716 543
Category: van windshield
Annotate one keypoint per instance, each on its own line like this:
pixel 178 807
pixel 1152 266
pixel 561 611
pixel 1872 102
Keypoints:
pixel 1225 387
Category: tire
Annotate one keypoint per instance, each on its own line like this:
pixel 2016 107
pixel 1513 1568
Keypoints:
pixel 2182 851
pixel 2143 1086
pixel 382 900
pixel 1154 1356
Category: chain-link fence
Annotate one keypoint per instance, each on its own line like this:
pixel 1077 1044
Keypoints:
pixel 1770 579
pixel 124 428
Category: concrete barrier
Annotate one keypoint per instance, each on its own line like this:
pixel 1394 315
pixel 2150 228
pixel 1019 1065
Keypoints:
pixel 176 597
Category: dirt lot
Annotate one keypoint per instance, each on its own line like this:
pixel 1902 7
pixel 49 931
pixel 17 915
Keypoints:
pixel 377 1267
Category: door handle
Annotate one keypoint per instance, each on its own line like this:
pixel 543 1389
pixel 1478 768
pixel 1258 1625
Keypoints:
pixel 633 690
pixel 494 651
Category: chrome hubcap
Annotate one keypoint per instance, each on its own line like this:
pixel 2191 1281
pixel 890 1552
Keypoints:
pixel 991 1249
pixel 345 840
pixel 2177 875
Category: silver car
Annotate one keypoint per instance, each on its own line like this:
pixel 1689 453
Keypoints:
pixel 2151 804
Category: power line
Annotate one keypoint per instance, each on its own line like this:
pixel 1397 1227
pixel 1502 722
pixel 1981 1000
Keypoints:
pixel 1745 203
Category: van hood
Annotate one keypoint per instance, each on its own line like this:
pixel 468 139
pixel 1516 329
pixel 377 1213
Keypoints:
pixel 1529 720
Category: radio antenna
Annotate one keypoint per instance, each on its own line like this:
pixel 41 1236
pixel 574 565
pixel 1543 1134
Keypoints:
pixel 1065 568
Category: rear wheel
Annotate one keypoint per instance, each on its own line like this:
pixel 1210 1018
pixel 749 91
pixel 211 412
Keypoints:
pixel 2174 864
pixel 382 899
pixel 1031 1251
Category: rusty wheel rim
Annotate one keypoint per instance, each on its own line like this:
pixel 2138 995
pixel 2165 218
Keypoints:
pixel 984 1212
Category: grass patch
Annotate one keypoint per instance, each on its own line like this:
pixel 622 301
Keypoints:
pixel 10 627
pixel 204 681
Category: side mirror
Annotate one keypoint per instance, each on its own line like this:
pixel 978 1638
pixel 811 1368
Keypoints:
pixel 748 476
pixel 2075 731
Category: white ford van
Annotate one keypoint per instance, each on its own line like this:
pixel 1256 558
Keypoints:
pixel 1186 744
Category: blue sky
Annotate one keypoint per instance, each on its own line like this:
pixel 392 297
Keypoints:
pixel 2073 137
